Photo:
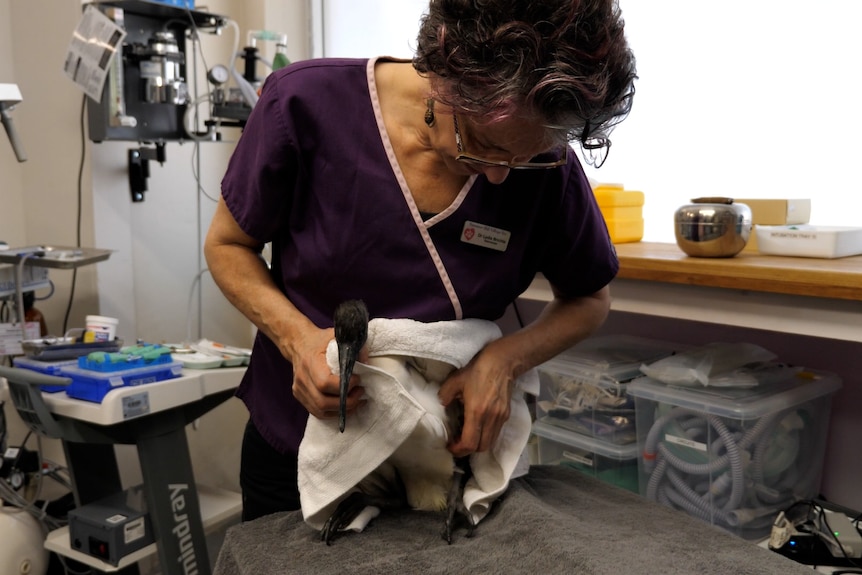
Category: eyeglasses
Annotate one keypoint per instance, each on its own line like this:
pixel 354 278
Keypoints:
pixel 594 150
pixel 468 158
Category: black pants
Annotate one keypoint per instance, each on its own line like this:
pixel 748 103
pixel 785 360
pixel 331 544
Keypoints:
pixel 268 478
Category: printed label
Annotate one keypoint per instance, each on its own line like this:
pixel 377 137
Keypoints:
pixel 485 236
pixel 686 442
pixel 134 530
pixel 136 405
pixel 10 336
pixel 582 459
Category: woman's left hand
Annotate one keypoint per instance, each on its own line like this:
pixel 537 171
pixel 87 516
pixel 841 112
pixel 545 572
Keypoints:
pixel 484 386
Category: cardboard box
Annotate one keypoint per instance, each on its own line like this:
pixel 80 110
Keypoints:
pixel 751 244
pixel 777 212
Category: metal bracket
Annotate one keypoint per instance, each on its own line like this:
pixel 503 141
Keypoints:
pixel 139 168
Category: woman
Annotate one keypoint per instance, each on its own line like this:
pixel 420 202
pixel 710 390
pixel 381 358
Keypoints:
pixel 433 189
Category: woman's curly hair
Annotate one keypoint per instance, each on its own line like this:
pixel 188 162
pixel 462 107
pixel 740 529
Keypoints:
pixel 566 61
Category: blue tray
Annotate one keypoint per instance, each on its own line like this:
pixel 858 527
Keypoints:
pixel 91 385
pixel 46 367
pixel 130 357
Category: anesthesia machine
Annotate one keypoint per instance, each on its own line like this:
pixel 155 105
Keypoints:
pixel 146 96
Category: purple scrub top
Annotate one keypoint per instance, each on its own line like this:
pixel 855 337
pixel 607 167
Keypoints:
pixel 314 174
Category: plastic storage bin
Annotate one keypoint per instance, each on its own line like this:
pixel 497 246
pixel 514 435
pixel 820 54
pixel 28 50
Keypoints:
pixel 46 367
pixel 733 457
pixel 611 463
pixel 623 212
pixel 92 385
pixel 584 388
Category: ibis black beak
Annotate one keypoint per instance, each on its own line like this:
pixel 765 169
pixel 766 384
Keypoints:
pixel 351 331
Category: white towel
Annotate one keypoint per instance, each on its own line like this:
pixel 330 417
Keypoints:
pixel 332 463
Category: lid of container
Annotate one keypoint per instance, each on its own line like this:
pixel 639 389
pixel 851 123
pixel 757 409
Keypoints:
pixel 740 403
pixel 585 442
pixel 23 361
pixel 615 197
pixel 609 360
pixel 74 370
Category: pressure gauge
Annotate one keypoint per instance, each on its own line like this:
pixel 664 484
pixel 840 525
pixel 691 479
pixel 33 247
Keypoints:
pixel 16 479
pixel 218 74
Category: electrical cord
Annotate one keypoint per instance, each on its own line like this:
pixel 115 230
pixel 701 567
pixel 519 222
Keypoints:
pixel 50 293
pixel 195 282
pixel 814 522
pixel 83 131
pixel 197 175
pixel 517 313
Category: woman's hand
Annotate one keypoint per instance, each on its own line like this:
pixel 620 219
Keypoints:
pixel 484 386
pixel 314 384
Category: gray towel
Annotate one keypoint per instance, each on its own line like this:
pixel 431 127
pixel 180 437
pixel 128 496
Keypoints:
pixel 554 520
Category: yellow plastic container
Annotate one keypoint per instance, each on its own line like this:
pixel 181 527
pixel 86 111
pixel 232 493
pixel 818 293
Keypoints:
pixel 623 212
pixel 625 231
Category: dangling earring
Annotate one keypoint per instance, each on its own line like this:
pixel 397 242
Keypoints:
pixel 430 120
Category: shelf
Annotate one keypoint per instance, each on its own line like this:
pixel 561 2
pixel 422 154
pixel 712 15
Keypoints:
pixel 192 385
pixel 161 10
pixel 61 257
pixel 45 256
pixel 839 278
pixel 219 507
pixel 805 296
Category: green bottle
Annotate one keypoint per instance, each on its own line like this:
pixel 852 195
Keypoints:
pixel 280 60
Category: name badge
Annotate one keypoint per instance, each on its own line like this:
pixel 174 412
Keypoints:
pixel 485 236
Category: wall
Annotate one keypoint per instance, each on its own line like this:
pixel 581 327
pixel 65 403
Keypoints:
pixel 11 172
pixel 149 280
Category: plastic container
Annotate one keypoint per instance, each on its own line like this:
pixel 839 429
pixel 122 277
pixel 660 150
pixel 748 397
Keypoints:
pixel 625 231
pixel 126 358
pixel 584 388
pixel 46 367
pixel 91 385
pixel 809 241
pixel 733 457
pixel 101 328
pixel 622 210
pixel 611 463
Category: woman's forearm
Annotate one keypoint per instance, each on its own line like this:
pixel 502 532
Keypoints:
pixel 562 323
pixel 239 271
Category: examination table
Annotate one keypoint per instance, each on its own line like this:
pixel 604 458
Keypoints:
pixel 554 520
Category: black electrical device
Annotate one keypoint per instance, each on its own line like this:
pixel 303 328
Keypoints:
pixel 138 103
pixel 16 466
pixel 810 549
pixel 146 96
pixel 112 527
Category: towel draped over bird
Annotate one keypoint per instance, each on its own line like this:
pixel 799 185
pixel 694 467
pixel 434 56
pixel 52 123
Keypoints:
pixel 408 360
